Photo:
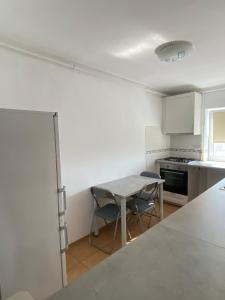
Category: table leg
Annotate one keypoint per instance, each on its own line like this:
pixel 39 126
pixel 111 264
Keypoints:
pixel 123 222
pixel 161 200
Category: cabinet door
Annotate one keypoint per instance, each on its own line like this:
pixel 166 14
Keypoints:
pixel 179 114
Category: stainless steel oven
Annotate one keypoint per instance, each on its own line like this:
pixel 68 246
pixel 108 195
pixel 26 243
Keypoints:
pixel 175 172
pixel 176 181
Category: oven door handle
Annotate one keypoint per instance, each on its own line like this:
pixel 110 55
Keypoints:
pixel 179 173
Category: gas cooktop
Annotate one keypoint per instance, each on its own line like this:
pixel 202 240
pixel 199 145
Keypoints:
pixel 179 159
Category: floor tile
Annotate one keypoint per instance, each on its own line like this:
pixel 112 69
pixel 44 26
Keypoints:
pixel 82 250
pixel 76 272
pixel 93 260
pixel 70 262
pixel 81 257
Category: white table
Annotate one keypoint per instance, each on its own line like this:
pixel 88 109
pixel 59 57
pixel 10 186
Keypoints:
pixel 129 186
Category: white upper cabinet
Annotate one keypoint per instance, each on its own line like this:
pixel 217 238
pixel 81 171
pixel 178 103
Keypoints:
pixel 182 114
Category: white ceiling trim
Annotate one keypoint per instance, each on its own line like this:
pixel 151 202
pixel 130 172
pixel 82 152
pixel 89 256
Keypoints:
pixel 76 66
pixel 37 54
pixel 213 89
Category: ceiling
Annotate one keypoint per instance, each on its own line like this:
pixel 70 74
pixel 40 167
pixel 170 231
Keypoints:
pixel 119 36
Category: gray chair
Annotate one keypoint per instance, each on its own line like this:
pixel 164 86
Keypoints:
pixel 152 193
pixel 150 174
pixel 144 203
pixel 141 207
pixel 109 212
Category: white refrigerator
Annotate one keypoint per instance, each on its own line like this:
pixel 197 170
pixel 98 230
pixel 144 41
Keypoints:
pixel 33 234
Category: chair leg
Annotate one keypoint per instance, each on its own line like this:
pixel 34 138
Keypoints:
pixel 155 212
pixel 140 222
pixel 129 234
pixel 91 229
pixel 150 220
pixel 128 231
pixel 114 236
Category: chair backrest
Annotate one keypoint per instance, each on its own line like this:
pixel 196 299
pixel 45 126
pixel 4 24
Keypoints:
pixel 101 194
pixel 152 188
pixel 150 174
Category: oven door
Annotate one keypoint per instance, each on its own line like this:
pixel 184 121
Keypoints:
pixel 175 181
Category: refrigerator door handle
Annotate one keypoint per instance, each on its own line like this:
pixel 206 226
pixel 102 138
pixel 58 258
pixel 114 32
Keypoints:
pixel 65 229
pixel 64 198
pixel 63 192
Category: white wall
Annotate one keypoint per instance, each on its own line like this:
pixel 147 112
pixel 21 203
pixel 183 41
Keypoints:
pixel 157 146
pixel 101 122
pixel 214 99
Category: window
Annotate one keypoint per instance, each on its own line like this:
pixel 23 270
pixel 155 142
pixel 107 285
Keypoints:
pixel 216 135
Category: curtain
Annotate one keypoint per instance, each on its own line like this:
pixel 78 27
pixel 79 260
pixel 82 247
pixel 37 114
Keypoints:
pixel 219 127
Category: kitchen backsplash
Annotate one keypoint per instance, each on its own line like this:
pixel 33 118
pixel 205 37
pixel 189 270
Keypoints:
pixel 159 146
pixel 186 146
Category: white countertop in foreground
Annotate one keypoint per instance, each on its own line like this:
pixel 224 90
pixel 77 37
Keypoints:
pixel 207 164
pixel 183 257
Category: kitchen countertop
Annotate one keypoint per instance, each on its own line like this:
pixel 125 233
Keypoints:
pixel 196 163
pixel 203 217
pixel 207 164
pixel 180 258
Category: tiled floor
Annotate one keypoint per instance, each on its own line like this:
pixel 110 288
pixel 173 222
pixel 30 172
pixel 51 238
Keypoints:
pixel 81 257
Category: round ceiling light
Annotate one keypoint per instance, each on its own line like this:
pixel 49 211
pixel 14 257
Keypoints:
pixel 173 51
